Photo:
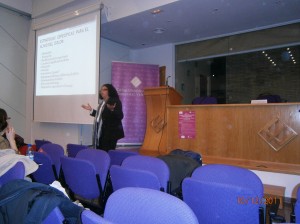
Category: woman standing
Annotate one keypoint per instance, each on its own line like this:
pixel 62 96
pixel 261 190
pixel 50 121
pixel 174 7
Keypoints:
pixel 108 128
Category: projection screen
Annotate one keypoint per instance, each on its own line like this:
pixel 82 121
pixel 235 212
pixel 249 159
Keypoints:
pixel 67 70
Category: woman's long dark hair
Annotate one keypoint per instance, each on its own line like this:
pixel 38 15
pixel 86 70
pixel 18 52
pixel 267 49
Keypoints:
pixel 112 92
pixel 3 118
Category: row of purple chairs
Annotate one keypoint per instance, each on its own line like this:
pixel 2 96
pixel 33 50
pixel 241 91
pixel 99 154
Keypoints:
pixel 85 177
pixel 214 193
pixel 210 186
pixel 90 174
pixel 48 158
pixel 116 156
pixel 136 205
pixel 141 171
pixel 150 172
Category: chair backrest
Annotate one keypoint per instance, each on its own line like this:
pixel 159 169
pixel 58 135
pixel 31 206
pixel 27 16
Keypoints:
pixel 90 217
pixel 40 142
pixel 221 187
pixel 73 149
pixel 297 207
pixel 117 156
pixel 205 100
pixel 122 177
pixel 46 173
pixel 221 203
pixel 227 174
pixel 147 206
pixel 100 159
pixel 16 172
pixel 55 151
pixel 54 217
pixel 80 176
pixel 151 164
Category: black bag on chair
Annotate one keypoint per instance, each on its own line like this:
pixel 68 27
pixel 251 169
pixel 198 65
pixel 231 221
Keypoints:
pixel 181 164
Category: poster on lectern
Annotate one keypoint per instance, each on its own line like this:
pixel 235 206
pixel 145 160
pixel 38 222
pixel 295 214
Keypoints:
pixel 187 124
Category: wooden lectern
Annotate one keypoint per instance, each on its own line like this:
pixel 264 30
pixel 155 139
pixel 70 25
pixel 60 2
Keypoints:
pixel 157 100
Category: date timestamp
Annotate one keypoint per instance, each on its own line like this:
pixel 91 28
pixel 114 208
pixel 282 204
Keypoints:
pixel 266 200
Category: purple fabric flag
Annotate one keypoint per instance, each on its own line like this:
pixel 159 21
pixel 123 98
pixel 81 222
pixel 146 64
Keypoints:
pixel 130 79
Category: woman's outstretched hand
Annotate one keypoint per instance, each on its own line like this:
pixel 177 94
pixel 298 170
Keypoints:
pixel 87 107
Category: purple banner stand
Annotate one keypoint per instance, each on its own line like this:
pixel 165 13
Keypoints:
pixel 130 79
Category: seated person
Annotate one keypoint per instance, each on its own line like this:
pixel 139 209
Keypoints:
pixel 7 133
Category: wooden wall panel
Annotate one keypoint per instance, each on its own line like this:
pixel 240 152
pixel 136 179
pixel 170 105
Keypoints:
pixel 230 134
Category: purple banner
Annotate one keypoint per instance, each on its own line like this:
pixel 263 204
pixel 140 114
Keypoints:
pixel 130 79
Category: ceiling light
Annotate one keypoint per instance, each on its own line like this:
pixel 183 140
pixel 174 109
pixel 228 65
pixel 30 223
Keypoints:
pixel 159 30
pixel 156 11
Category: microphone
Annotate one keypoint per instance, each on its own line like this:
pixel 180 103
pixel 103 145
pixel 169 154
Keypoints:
pixel 167 83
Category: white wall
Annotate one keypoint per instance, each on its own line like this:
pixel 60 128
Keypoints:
pixel 162 55
pixel 14 30
pixel 20 5
pixel 290 182
pixel 111 51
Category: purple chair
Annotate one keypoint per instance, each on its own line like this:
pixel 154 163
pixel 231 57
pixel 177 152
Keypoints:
pixel 54 217
pixel 73 149
pixel 101 161
pixel 151 167
pixel 122 177
pixel 205 100
pixel 16 172
pixel 81 178
pixel 147 206
pixel 219 173
pixel 224 194
pixel 40 142
pixel 89 217
pixel 55 151
pixel 117 156
pixel 152 164
pixel 46 173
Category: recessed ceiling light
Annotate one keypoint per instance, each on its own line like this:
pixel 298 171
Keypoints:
pixel 159 30
pixel 156 11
